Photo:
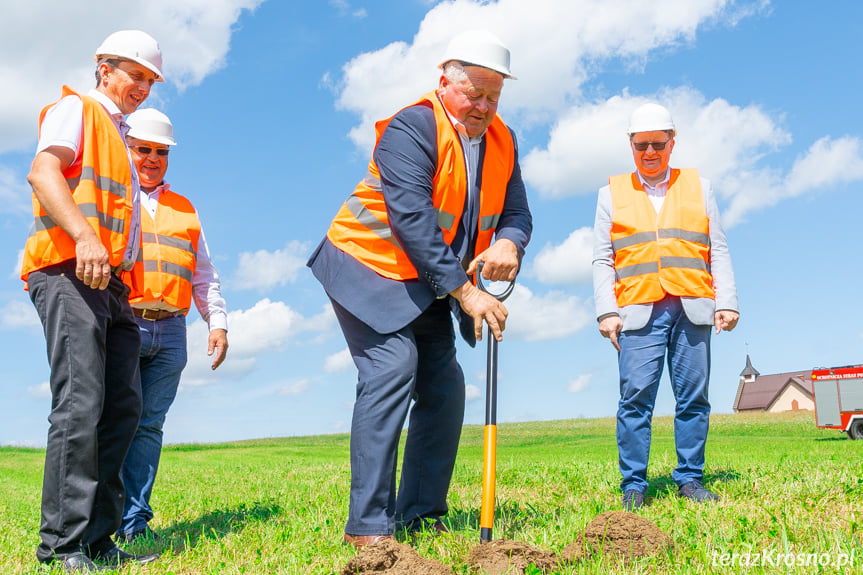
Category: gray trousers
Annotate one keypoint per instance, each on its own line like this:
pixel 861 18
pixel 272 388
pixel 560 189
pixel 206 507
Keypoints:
pixel 415 363
pixel 93 343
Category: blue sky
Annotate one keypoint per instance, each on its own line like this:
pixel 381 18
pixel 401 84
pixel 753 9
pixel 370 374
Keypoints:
pixel 273 104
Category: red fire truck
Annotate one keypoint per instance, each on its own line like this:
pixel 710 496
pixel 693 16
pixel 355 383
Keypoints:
pixel 839 399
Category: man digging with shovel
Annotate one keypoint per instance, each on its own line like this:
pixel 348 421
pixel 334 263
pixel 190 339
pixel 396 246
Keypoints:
pixel 443 181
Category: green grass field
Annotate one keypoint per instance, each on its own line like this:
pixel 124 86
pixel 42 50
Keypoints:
pixel 792 500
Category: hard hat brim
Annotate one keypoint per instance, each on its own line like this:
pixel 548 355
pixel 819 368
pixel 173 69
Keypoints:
pixel 141 61
pixel 502 71
pixel 632 132
pixel 154 139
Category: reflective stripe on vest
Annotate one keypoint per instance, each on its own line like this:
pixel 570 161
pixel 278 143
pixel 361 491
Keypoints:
pixel 101 187
pixel 170 252
pixel 45 223
pixel 668 253
pixel 361 227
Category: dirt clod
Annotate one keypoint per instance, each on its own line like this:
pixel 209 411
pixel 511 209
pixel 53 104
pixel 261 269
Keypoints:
pixel 619 533
pixel 389 557
pixel 511 557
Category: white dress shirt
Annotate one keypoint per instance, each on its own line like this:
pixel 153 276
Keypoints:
pixel 656 193
pixel 206 287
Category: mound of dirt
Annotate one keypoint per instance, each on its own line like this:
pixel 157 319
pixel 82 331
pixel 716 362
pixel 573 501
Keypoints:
pixel 618 533
pixel 511 557
pixel 389 557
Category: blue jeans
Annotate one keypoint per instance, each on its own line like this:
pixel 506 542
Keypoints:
pixel 162 359
pixel 416 363
pixel 642 352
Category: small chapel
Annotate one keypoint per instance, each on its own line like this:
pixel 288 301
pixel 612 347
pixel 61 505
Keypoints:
pixel 775 393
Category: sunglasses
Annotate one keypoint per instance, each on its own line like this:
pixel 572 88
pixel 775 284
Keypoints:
pixel 642 146
pixel 145 150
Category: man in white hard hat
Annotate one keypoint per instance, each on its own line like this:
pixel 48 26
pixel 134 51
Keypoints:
pixel 662 278
pixel 398 257
pixel 177 269
pixel 86 234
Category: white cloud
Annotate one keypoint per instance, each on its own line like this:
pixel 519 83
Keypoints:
pixel 262 269
pixel 567 263
pixel 552 316
pixel 544 52
pixel 19 262
pixel 716 137
pixel 730 145
pixel 339 426
pixel 566 166
pixel 471 392
pixel 825 165
pixel 340 361
pixel 579 384
pixel 18 315
pixel 344 8
pixel 194 36
pixel 295 388
pixel 267 327
pixel 40 391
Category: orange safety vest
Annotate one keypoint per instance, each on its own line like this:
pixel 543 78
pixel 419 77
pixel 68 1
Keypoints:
pixel 101 187
pixel 170 245
pixel 655 255
pixel 361 227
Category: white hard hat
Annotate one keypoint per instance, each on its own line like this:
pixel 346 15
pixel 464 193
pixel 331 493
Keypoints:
pixel 650 117
pixel 479 48
pixel 133 45
pixel 151 125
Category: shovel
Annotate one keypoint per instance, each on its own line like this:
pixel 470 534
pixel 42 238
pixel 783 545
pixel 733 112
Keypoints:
pixel 486 516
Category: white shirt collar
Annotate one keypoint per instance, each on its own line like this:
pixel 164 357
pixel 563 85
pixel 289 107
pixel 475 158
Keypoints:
pixel 103 99
pixel 150 200
pixel 157 191
pixel 659 184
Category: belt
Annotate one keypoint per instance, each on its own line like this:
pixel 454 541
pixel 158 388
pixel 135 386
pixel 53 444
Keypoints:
pixel 155 314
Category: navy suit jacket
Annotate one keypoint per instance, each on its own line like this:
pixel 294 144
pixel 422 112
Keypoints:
pixel 406 156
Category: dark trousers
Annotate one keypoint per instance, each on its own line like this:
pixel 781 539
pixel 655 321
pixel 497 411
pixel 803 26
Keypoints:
pixel 93 343
pixel 415 363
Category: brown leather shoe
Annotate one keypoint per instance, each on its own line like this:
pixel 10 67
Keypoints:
pixel 435 527
pixel 360 541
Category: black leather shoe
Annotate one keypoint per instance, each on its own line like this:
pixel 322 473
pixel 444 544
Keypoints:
pixel 77 563
pixel 117 557
pixel 139 535
pixel 695 491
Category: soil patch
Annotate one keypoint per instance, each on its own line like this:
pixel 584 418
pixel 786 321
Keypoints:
pixel 511 557
pixel 618 533
pixel 390 557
